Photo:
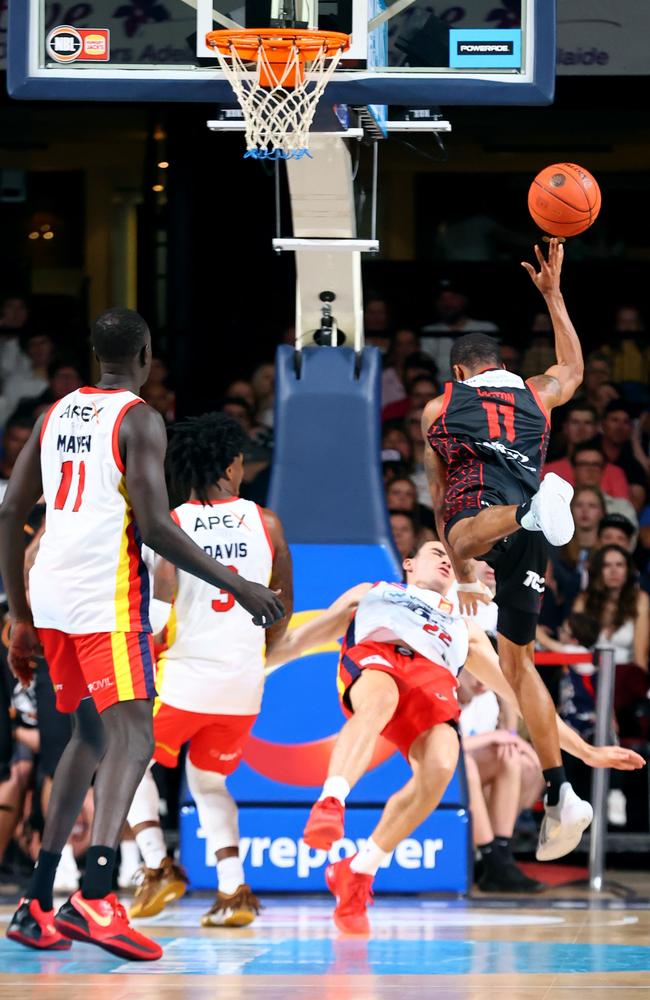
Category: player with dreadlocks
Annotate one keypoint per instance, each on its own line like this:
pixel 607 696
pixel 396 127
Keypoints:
pixel 211 673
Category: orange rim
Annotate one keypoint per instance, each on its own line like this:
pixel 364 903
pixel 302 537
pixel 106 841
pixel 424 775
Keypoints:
pixel 276 42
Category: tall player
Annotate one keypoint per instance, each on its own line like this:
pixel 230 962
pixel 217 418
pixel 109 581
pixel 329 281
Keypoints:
pixel 211 675
pixel 97 456
pixel 488 435
pixel 404 645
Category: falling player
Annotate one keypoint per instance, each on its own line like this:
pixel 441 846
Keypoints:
pixel 97 457
pixel 404 645
pixel 488 435
pixel 211 675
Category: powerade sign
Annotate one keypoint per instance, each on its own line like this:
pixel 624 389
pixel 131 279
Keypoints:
pixel 481 48
pixel 433 859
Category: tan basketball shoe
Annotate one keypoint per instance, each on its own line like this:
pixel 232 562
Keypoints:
pixel 158 887
pixel 235 910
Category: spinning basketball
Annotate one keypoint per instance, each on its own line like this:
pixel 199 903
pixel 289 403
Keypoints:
pixel 564 199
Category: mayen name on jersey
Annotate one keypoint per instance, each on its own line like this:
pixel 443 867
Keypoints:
pixel 74 444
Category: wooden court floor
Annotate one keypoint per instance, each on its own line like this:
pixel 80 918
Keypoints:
pixel 563 944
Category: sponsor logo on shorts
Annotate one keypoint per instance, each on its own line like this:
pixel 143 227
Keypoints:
pixel 367 660
pixel 100 685
pixel 225 756
pixel 535 581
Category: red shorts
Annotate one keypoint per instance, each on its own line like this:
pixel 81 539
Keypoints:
pixel 110 666
pixel 427 691
pixel 216 741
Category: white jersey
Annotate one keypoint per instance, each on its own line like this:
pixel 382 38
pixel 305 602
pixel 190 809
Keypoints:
pixel 89 575
pixel 215 660
pixel 422 619
pixel 486 614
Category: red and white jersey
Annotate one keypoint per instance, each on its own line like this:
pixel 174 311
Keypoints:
pixel 423 619
pixel 215 657
pixel 89 575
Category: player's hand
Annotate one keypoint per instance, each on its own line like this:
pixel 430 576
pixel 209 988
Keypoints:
pixel 547 279
pixel 262 604
pixel 620 758
pixel 24 646
pixel 470 595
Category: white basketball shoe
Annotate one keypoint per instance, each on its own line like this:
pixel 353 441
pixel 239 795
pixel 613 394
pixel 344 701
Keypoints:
pixel 563 825
pixel 550 510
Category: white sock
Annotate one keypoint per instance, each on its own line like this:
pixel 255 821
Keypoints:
pixel 230 875
pixel 152 846
pixel 369 858
pixel 129 856
pixel 335 787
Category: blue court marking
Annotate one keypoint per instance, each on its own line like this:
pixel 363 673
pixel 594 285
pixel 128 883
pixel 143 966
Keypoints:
pixel 353 956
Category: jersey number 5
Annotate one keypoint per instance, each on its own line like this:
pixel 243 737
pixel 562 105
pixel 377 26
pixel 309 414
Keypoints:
pixel 495 411
pixel 225 601
pixel 67 472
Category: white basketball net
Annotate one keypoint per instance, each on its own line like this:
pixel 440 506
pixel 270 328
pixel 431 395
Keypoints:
pixel 277 119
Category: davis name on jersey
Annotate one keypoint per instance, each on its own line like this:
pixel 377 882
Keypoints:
pixel 214 662
pixel 422 619
pixel 89 575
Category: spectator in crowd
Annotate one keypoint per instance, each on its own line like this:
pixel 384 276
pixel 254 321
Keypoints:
pixel 377 326
pixel 40 352
pixel 493 765
pixel 598 369
pixel 395 438
pixel 420 380
pixel 393 382
pixel 263 383
pixel 511 358
pixel 604 394
pixel 540 353
pixel 14 324
pixel 16 435
pixel 614 599
pixel 628 349
pixel 451 321
pixel 63 377
pixel 392 466
pixel 404 532
pixel 402 495
pixel 257 450
pixel 156 391
pixel 615 529
pixel 588 467
pixel 243 390
pixel 413 425
pixel 616 442
pixel 571 562
pixel 579 424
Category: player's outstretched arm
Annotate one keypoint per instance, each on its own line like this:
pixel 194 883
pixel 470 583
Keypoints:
pixel 23 491
pixel 281 581
pixel 143 442
pixel 561 380
pixel 328 626
pixel 483 663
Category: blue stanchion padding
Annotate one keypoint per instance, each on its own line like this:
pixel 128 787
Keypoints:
pixel 433 859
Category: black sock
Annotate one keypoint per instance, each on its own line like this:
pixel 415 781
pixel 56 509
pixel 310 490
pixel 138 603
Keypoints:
pixel 554 777
pixel 40 884
pixel 98 879
pixel 503 843
pixel 489 855
pixel 522 510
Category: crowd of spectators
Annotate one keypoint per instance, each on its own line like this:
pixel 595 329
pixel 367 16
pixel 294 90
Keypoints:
pixel 597 585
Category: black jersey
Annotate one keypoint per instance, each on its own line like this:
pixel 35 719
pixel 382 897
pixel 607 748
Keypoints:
pixel 492 435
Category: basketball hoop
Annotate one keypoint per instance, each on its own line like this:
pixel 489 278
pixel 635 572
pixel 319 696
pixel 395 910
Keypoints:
pixel 278 76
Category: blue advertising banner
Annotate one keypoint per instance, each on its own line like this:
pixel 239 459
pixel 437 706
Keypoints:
pixel 433 859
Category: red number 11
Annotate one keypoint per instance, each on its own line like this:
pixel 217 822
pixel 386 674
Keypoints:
pixel 496 410
pixel 66 483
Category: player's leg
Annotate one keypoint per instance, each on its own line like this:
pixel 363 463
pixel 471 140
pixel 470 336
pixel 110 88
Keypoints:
pixel 433 756
pixel 548 512
pixel 214 753
pixel 493 821
pixel 118 668
pixel 373 698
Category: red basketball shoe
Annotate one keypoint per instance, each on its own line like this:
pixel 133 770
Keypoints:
pixel 34 927
pixel 353 892
pixel 104 922
pixel 325 824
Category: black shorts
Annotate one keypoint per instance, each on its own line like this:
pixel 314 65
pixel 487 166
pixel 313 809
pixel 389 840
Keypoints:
pixel 497 489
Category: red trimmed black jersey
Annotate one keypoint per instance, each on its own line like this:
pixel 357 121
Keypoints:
pixel 492 435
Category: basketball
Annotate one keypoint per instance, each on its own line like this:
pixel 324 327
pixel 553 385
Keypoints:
pixel 564 199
